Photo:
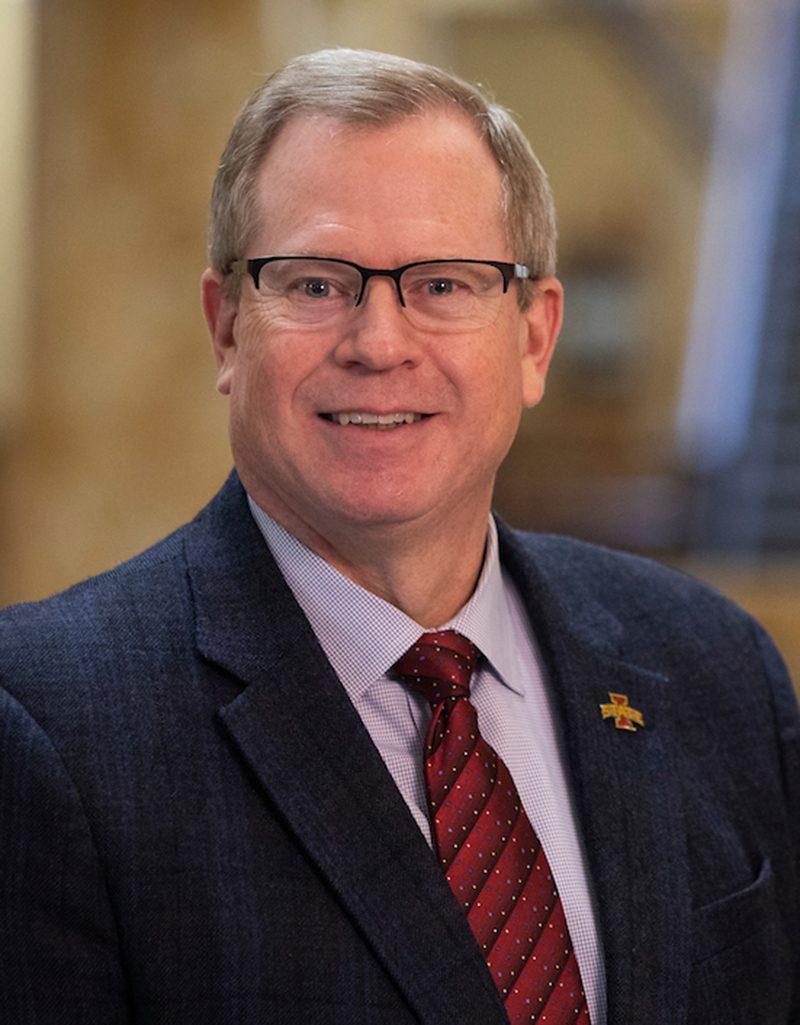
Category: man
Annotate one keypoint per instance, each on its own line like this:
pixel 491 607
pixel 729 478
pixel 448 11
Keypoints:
pixel 219 761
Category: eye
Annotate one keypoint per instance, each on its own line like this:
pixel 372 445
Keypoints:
pixel 316 288
pixel 441 286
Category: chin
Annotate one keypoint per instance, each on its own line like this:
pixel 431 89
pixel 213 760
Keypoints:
pixel 371 513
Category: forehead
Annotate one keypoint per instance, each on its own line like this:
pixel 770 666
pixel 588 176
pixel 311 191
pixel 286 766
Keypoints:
pixel 425 175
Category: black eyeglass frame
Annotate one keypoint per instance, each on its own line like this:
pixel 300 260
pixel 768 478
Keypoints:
pixel 509 271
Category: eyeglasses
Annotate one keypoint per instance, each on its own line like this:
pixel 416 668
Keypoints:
pixel 437 295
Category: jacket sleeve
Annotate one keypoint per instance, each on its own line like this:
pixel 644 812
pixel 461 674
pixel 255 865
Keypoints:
pixel 59 952
pixel 787 716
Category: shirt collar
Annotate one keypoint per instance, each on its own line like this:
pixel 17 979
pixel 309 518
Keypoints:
pixel 363 636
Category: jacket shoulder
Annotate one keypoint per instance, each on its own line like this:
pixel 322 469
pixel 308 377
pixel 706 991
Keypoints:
pixel 122 620
pixel 94 599
pixel 594 569
pixel 140 587
pixel 637 605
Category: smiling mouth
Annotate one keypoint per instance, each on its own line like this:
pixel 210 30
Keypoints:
pixel 374 421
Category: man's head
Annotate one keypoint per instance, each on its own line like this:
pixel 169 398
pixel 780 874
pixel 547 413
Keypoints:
pixel 309 363
pixel 372 90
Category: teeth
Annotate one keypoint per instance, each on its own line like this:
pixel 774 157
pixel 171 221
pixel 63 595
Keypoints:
pixel 381 421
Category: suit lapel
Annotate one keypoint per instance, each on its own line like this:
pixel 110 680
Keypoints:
pixel 306 745
pixel 627 794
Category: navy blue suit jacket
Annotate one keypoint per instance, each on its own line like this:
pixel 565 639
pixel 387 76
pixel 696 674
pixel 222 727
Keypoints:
pixel 196 828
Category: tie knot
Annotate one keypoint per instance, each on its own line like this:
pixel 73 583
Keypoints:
pixel 439 665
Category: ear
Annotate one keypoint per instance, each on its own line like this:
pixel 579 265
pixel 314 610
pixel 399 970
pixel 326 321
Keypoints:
pixel 221 316
pixel 542 322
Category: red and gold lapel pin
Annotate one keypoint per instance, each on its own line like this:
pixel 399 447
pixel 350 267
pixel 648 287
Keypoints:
pixel 621 712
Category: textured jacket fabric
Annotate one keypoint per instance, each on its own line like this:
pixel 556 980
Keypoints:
pixel 196 829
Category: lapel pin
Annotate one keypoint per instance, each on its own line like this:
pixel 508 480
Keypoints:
pixel 621 712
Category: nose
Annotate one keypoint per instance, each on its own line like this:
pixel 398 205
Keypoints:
pixel 378 335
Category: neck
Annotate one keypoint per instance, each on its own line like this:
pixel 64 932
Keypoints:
pixel 428 571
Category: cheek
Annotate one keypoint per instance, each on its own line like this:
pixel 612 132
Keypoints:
pixel 497 396
pixel 273 376
pixel 250 384
pixel 258 360
pixel 254 400
pixel 495 374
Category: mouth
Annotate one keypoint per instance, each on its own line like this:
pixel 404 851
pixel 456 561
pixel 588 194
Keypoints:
pixel 374 421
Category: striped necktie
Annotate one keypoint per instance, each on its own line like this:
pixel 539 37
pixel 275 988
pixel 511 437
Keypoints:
pixel 488 849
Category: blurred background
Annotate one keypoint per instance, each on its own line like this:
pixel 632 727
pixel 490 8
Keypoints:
pixel 671 133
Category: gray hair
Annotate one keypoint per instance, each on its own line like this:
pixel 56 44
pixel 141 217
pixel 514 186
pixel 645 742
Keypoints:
pixel 365 89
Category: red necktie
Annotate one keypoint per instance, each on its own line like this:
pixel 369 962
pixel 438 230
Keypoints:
pixel 491 856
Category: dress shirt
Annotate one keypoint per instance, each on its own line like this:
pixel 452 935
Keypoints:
pixel 363 636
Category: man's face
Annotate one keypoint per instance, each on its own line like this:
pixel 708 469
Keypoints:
pixel 425 188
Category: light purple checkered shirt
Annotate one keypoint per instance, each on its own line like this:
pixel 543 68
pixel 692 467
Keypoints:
pixel 363 636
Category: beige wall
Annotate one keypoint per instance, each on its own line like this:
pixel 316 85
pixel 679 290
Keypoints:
pixel 121 435
pixel 16 80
